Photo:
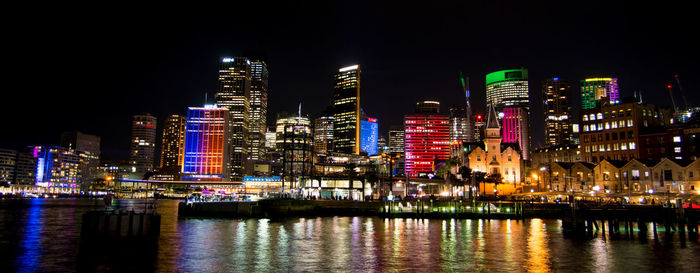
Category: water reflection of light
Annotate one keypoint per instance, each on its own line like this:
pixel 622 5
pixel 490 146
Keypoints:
pixel 538 251
pixel 30 252
pixel 262 248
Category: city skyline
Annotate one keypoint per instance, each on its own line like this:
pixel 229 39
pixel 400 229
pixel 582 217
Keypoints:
pixel 179 74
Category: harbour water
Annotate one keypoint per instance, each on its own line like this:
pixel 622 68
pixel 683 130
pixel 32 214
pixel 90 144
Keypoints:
pixel 44 235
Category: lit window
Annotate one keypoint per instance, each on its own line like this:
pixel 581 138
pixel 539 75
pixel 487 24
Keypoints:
pixel 607 125
pixel 623 146
pixel 677 139
pixel 677 149
pixel 592 116
pixel 629 123
pixel 585 118
pixel 632 145
pixel 600 116
pixel 585 128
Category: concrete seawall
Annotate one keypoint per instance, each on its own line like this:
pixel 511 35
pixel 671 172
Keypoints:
pixel 280 208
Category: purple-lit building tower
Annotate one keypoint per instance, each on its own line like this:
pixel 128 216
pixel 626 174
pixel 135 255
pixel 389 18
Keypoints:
pixel 516 129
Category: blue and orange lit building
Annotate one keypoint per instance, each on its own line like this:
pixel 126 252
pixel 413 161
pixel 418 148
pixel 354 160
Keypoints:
pixel 427 138
pixel 207 144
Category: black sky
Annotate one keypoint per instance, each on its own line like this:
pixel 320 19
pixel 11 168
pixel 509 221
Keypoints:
pixel 90 68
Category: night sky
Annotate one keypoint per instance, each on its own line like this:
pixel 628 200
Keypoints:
pixel 90 68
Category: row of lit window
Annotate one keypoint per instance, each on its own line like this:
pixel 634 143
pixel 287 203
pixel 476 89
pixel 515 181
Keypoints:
pixel 609 147
pixel 607 125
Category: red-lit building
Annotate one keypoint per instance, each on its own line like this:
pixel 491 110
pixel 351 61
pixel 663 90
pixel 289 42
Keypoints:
pixel 427 138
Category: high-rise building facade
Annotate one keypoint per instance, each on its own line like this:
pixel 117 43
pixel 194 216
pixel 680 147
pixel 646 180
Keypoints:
pixel 507 88
pixel 297 146
pixel 427 138
pixel 58 167
pixel 8 159
pixel 207 147
pixel 557 112
pixel 88 147
pixel 258 108
pixel 593 89
pixel 369 135
pixel 396 140
pixel 516 129
pixel 346 110
pixel 458 125
pixel 283 122
pixel 323 134
pixel 25 166
pixel 510 89
pixel 233 93
pixel 172 153
pixel 143 143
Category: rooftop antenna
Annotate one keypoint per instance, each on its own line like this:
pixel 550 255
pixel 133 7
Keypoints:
pixel 205 98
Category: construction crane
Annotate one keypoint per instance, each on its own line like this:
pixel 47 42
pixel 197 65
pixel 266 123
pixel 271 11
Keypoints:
pixel 673 101
pixel 680 88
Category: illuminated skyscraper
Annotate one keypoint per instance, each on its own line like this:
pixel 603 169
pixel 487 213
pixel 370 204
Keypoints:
pixel 557 112
pixel 396 140
pixel 369 135
pixel 234 93
pixel 143 143
pixel 516 129
pixel 323 134
pixel 427 138
pixel 592 89
pixel 346 110
pixel 172 153
pixel 509 89
pixel 458 124
pixel 258 108
pixel 207 147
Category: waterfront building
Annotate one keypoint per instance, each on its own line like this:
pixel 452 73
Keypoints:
pixel 323 134
pixel 233 93
pixel 25 167
pixel 594 89
pixel 297 146
pixel 88 146
pixel 346 110
pixel 427 138
pixel 369 135
pixel 143 143
pixel 172 155
pixel 557 112
pixel 611 130
pixel 58 167
pixel 496 157
pixel 396 140
pixel 561 153
pixel 8 161
pixel 207 147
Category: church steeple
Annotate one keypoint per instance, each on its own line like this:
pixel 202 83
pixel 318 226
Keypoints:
pixel 493 128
